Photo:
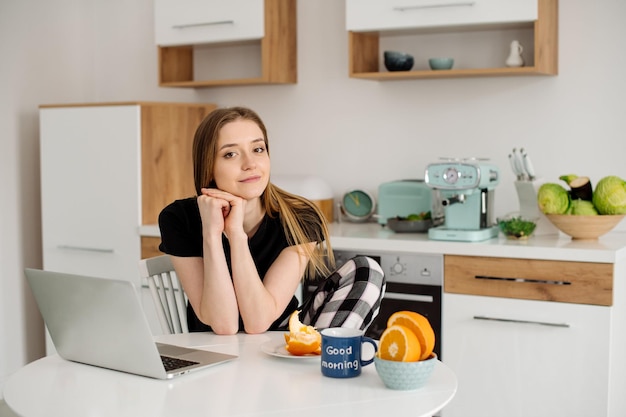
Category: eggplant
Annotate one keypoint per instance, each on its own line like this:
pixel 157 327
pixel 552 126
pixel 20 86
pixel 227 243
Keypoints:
pixel 580 187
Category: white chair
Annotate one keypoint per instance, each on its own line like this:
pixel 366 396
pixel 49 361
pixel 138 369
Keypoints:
pixel 169 298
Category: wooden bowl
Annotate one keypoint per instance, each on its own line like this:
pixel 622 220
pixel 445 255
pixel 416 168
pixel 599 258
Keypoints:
pixel 585 227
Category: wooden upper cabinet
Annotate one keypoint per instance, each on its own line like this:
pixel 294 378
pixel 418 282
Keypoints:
pixel 201 43
pixel 374 24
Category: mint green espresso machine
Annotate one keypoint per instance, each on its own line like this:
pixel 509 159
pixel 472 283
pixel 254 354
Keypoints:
pixel 466 188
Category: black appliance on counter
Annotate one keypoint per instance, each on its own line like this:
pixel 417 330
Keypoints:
pixel 414 282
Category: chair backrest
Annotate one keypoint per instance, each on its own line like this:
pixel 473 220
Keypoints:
pixel 169 298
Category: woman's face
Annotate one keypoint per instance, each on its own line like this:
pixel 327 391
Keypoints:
pixel 242 164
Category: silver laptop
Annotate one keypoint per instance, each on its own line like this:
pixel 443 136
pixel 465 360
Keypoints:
pixel 100 322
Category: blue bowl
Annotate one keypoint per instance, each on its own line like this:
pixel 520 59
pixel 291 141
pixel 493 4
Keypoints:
pixel 398 61
pixel 441 63
pixel 405 375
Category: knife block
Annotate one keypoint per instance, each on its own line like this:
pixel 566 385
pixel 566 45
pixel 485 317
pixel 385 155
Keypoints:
pixel 527 195
pixel 528 208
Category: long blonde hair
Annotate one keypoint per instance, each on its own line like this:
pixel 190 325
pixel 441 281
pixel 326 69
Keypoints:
pixel 301 219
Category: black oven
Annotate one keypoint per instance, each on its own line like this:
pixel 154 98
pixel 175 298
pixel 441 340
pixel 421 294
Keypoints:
pixel 414 282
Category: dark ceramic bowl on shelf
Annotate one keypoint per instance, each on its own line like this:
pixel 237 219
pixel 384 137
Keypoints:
pixel 398 61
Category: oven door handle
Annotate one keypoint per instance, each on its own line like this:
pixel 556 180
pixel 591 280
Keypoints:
pixel 409 297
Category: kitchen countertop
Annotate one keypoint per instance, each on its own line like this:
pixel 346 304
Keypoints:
pixel 609 248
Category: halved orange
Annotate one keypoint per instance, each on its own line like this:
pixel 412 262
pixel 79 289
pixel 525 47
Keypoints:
pixel 302 339
pixel 398 343
pixel 419 325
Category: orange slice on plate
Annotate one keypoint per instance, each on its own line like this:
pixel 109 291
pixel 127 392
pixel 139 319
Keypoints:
pixel 302 339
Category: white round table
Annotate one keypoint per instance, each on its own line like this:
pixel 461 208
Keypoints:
pixel 255 384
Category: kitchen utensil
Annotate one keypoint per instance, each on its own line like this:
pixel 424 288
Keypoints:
pixel 528 166
pixel 527 196
pixel 585 227
pixel 398 61
pixel 514 226
pixel 516 172
pixel 274 348
pixel 440 63
pixel 405 375
pixel 409 226
pixel 519 165
pixel 342 349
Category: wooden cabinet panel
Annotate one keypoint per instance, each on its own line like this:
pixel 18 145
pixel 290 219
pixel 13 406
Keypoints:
pixel 570 282
pixel 150 247
pixel 167 132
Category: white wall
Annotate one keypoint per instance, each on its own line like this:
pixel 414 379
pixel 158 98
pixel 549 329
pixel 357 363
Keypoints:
pixel 354 133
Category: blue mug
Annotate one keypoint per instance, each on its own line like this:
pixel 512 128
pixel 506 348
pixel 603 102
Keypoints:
pixel 342 352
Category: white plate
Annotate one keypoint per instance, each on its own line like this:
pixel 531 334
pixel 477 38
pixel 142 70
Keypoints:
pixel 273 348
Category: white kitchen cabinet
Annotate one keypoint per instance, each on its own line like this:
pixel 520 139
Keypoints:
pixel 529 337
pixel 372 15
pixel 210 43
pixel 476 32
pixel 520 358
pixel 91 190
pixel 106 169
pixel 189 22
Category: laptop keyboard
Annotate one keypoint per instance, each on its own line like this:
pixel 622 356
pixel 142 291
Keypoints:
pixel 175 363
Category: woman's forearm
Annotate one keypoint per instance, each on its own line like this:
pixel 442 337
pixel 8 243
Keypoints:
pixel 218 304
pixel 256 305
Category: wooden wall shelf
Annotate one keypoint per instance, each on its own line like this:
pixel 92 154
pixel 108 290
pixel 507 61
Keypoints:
pixel 365 54
pixel 278 54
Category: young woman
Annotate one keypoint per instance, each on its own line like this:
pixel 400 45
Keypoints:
pixel 242 245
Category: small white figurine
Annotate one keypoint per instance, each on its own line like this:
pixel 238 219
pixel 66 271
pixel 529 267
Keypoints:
pixel 515 58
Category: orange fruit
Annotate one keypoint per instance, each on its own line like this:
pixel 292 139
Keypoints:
pixel 398 343
pixel 419 325
pixel 302 339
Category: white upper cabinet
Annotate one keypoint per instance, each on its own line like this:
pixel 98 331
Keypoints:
pixel 90 190
pixel 368 15
pixel 191 22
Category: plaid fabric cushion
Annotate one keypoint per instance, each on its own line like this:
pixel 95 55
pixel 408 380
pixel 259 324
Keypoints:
pixel 350 297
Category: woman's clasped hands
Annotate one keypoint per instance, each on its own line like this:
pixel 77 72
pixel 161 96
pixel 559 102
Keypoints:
pixel 221 212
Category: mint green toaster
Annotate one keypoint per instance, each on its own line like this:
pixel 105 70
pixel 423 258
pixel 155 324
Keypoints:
pixel 404 197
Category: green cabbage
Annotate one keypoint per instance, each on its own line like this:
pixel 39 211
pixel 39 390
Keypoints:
pixel 609 196
pixel 553 199
pixel 583 208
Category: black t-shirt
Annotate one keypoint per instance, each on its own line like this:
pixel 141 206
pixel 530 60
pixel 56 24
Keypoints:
pixel 181 235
